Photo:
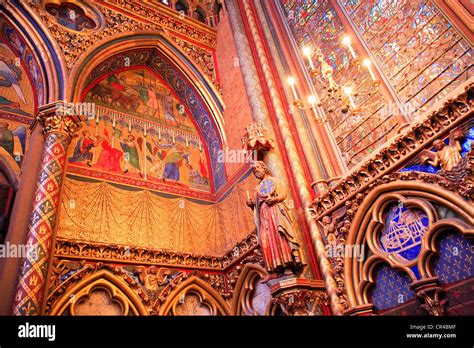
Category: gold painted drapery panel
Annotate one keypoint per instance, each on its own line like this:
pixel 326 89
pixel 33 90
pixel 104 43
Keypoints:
pixel 101 212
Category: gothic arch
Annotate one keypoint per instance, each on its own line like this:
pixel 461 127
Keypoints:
pixel 359 276
pixel 205 293
pixel 120 44
pixel 118 290
pixel 245 288
pixel 43 47
pixel 161 52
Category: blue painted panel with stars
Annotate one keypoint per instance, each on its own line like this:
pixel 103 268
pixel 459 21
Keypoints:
pixel 391 288
pixel 455 260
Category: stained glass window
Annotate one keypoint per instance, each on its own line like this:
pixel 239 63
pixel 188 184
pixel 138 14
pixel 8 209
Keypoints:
pixel 422 56
pixel 421 53
pixel 316 24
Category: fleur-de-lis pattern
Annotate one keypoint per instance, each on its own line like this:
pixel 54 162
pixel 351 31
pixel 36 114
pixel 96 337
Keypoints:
pixel 391 288
pixel 30 287
pixel 455 260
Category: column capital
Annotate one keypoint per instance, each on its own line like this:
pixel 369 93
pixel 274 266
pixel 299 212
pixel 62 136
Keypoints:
pixel 299 296
pixel 58 117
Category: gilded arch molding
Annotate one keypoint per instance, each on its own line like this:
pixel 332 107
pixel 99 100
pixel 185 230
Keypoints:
pixel 118 290
pixel 245 288
pixel 359 277
pixel 51 65
pixel 207 296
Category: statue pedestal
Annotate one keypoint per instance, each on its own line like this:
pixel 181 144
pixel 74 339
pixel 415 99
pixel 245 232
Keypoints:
pixel 298 296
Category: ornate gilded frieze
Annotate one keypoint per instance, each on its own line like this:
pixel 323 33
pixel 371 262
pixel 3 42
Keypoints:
pixel 74 43
pixel 118 253
pixel 168 20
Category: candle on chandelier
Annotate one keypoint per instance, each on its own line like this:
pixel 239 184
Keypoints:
pixel 368 64
pixel 348 92
pixel 113 122
pixel 347 41
pixel 144 129
pixel 307 52
pixel 313 101
pixel 292 82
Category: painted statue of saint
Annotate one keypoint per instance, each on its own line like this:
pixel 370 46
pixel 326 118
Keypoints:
pixel 275 226
pixel 447 156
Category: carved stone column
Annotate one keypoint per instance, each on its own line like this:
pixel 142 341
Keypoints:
pixel 60 125
pixel 298 296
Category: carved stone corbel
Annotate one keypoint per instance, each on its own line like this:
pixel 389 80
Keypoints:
pixel 430 295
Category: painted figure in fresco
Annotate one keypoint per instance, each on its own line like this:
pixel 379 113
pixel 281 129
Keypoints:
pixel 82 151
pixel 15 41
pixel 70 16
pixel 7 138
pixel 174 161
pixel 196 177
pixel 153 102
pixel 142 90
pixel 10 77
pixel 157 160
pixel 446 155
pixel 275 226
pixel 109 158
pixel 35 75
pixel 167 104
pixel 181 113
pixel 132 159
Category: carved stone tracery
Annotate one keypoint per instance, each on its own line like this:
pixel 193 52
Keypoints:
pixel 336 209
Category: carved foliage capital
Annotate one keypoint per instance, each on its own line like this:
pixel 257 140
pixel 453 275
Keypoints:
pixel 60 118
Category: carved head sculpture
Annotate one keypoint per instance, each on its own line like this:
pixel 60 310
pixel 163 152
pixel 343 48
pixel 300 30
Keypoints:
pixel 260 169
pixel 438 144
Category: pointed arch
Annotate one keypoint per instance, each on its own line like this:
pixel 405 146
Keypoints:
pixel 117 288
pixel 44 49
pixel 358 276
pixel 245 289
pixel 205 293
pixel 174 68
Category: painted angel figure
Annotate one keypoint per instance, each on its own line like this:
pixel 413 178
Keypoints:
pixel 10 76
pixel 7 139
pixel 275 225
pixel 447 156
